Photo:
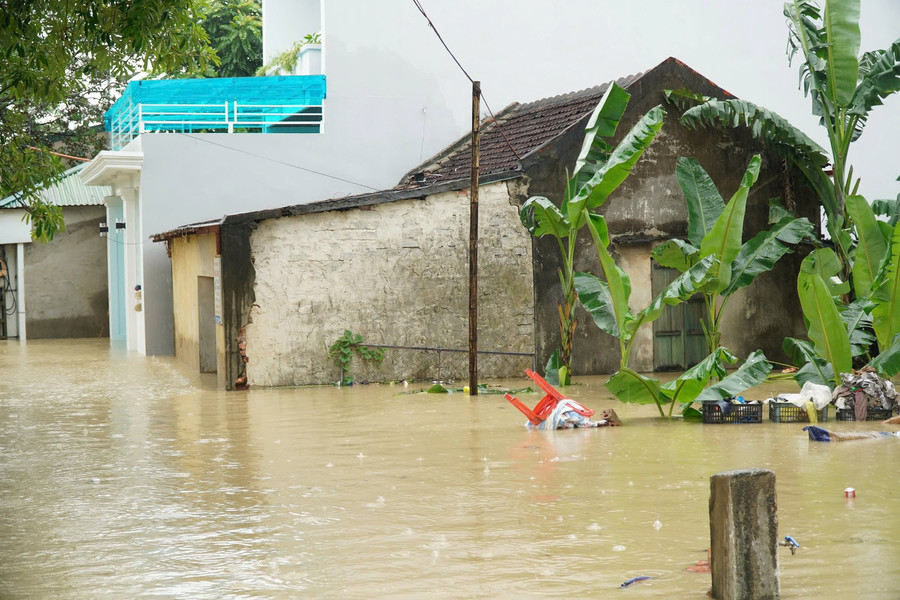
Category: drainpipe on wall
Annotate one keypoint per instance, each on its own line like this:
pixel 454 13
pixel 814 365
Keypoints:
pixel 20 289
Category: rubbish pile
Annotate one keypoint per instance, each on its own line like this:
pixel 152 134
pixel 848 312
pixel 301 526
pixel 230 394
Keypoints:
pixel 864 390
pixel 555 411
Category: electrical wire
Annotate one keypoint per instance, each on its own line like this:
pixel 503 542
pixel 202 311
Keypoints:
pixel 59 154
pixel 369 187
pixel 466 73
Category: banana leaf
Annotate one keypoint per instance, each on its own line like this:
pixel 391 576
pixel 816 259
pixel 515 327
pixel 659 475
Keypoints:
pixel 857 319
pixel 541 217
pixel 724 238
pixel 752 373
pixel 634 388
pixel 762 252
pixel 841 20
pixel 603 124
pixel 595 297
pixel 552 370
pixel 887 363
pixel 889 209
pixel 676 254
pixel 812 366
pixel 886 314
pixel 704 202
pixel 616 167
pixel 826 265
pixel 618 282
pixel 711 366
pixel 776 133
pixel 879 73
pixel 871 246
pixel 824 325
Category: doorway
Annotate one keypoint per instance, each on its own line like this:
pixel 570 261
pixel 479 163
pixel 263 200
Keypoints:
pixel 206 321
pixel 678 340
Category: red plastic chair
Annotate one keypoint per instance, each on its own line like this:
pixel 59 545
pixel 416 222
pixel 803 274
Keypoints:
pixel 547 404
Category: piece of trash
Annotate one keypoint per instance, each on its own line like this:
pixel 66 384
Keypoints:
pixel 789 542
pixel 850 492
pixel 635 580
pixel 701 566
pixel 657 524
pixel 863 391
pixel 555 411
pixel 818 434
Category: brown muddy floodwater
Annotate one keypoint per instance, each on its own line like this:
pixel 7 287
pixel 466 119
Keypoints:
pixel 126 477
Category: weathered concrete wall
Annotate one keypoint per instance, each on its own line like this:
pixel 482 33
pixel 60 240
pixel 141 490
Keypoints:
pixel 192 257
pixel 743 531
pixel 649 207
pixel 66 284
pixel 396 273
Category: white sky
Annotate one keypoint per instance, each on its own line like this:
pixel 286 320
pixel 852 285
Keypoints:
pixel 522 50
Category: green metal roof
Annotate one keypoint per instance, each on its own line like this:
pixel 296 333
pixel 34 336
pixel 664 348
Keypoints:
pixel 68 190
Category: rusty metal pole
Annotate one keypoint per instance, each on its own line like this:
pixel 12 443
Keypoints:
pixel 473 242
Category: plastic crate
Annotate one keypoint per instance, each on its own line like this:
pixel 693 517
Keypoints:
pixel 785 412
pixel 874 414
pixel 739 413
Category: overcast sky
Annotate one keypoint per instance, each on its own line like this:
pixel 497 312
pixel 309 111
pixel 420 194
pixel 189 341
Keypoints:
pixel 530 49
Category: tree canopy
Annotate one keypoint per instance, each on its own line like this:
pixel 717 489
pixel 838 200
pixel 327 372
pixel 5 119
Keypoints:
pixel 63 63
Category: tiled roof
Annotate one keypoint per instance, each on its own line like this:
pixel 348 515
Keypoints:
pixel 523 127
pixel 67 190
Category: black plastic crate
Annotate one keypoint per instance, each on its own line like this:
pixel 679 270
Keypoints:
pixel 738 413
pixel 785 412
pixel 874 414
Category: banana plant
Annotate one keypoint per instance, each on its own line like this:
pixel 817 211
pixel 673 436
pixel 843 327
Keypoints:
pixel 606 300
pixel 599 170
pixel 838 333
pixel 844 88
pixel 716 229
pixel 630 386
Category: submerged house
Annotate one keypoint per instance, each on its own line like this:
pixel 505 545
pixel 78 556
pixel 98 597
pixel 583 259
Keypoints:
pixel 57 289
pixel 262 294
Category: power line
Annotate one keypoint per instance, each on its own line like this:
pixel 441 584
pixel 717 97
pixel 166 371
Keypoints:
pixel 466 73
pixel 280 162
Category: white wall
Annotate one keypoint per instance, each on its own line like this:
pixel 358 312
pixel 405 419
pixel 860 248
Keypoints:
pixel 287 21
pixel 13 230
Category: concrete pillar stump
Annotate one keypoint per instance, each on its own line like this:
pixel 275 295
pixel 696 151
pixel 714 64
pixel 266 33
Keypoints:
pixel 743 526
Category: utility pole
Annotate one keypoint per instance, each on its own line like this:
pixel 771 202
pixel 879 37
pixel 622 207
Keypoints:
pixel 473 242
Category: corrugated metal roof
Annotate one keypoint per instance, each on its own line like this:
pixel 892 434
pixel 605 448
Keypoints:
pixel 68 190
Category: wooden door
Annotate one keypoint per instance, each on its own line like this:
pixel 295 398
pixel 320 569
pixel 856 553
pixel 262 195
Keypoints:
pixel 678 341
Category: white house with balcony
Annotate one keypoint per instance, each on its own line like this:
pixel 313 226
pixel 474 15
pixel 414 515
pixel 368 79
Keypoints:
pixel 356 116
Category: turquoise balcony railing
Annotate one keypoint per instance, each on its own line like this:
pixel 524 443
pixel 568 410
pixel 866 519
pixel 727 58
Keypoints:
pixel 280 104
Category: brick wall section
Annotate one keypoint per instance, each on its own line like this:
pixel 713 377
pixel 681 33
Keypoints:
pixel 396 273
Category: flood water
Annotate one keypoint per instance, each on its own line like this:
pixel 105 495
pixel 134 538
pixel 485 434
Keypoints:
pixel 127 477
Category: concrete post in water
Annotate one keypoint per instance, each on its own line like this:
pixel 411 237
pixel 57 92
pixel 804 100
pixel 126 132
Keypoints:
pixel 743 527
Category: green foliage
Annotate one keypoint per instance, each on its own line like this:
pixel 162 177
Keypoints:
pixel 629 386
pixel 843 88
pixel 717 228
pixel 62 63
pixel 599 170
pixel 343 349
pixel 838 332
pixel 235 32
pixel 286 62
